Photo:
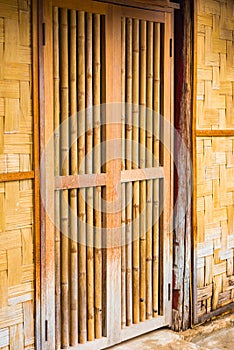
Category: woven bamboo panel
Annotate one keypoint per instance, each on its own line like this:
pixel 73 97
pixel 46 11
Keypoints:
pixel 16 198
pixel 16 122
pixel 215 64
pixel 215 222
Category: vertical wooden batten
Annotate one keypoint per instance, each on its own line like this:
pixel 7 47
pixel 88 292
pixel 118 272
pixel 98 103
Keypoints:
pixel 46 175
pixel 37 231
pixel 113 171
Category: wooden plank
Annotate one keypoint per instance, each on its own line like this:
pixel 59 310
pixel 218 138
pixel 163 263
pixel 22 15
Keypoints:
pixel 79 181
pixel 113 171
pixel 47 176
pixel 25 175
pixel 142 174
pixel 82 5
pixel 150 5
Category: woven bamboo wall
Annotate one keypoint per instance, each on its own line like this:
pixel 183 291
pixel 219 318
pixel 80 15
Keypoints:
pixel 16 197
pixel 215 155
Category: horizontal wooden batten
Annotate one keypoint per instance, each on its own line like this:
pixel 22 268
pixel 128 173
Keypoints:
pixel 25 175
pixel 79 181
pixel 149 5
pixel 82 5
pixel 142 174
pixel 214 133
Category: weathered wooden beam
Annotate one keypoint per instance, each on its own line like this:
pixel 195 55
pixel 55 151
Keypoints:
pixel 183 178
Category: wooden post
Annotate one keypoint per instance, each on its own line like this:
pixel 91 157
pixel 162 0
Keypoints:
pixel 183 122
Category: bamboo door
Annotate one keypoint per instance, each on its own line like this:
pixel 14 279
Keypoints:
pixel 106 183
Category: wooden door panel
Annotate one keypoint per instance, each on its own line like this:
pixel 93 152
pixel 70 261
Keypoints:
pixel 111 270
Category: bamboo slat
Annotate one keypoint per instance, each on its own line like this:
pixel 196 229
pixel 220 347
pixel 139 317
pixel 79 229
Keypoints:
pixel 89 146
pixel 57 172
pixel 81 193
pixel 97 169
pixel 123 244
pixel 156 107
pixel 136 186
pixel 65 171
pixel 128 167
pixel 74 171
pixel 149 163
pixel 142 165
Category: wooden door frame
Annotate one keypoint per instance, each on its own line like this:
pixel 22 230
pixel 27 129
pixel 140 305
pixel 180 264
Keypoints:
pixel 45 270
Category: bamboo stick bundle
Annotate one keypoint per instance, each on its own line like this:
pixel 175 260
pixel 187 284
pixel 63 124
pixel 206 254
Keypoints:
pixel 65 171
pixel 142 165
pixel 97 169
pixel 123 220
pixel 73 192
pixel 129 167
pixel 89 169
pixel 149 164
pixel 81 193
pixel 136 185
pixel 57 173
pixel 156 103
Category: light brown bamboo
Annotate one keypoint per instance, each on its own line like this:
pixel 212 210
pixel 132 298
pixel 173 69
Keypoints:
pixel 65 171
pixel 156 103
pixel 142 165
pixel 97 169
pixel 136 185
pixel 89 168
pixel 149 185
pixel 57 172
pixel 73 192
pixel 81 194
pixel 128 167
pixel 123 246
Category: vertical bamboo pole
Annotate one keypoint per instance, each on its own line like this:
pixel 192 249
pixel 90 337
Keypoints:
pixel 74 171
pixel 156 103
pixel 57 172
pixel 142 165
pixel 123 247
pixel 128 167
pixel 149 163
pixel 81 194
pixel 97 169
pixel 136 185
pixel 89 169
pixel 65 171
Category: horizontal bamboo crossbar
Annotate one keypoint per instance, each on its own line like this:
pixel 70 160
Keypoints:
pixel 25 175
pixel 142 174
pixel 79 181
pixel 213 133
